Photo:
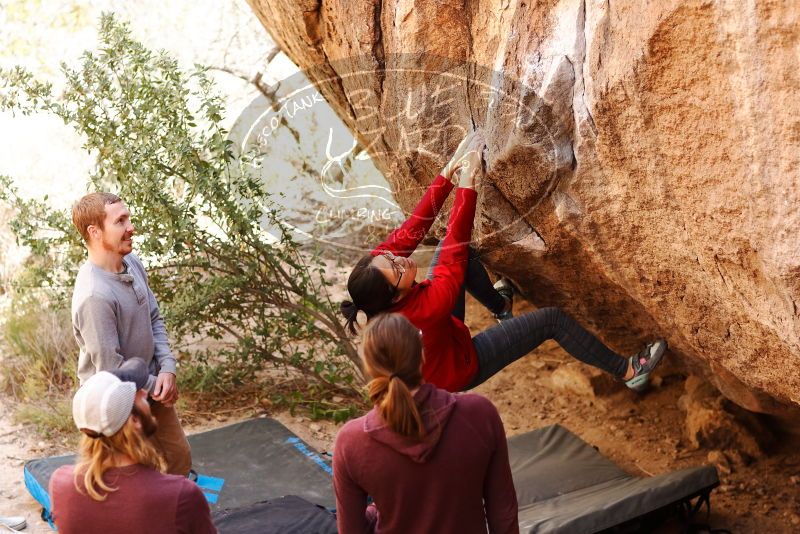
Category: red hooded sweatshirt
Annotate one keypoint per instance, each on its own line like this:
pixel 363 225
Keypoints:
pixel 450 361
pixel 456 479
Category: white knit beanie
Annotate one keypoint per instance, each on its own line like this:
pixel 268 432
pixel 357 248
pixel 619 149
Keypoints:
pixel 103 403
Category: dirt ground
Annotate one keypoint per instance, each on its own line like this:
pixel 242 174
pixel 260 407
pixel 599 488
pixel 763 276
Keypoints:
pixel 18 444
pixel 642 433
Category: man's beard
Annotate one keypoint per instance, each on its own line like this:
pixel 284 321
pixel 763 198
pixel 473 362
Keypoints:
pixel 120 247
pixel 148 422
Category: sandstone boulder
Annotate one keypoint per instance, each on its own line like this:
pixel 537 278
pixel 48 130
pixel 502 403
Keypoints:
pixel 643 164
pixel 714 423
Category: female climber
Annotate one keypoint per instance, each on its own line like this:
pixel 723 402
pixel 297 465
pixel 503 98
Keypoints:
pixel 384 282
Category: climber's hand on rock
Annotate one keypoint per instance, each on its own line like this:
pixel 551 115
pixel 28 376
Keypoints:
pixel 469 167
pixel 452 166
pixel 469 170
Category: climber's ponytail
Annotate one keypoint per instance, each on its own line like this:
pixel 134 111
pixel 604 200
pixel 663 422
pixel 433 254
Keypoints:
pixel 350 312
pixel 392 353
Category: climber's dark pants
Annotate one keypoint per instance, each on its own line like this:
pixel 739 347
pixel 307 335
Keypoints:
pixel 501 345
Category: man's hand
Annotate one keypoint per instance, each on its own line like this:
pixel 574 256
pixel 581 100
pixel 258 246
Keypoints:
pixel 166 390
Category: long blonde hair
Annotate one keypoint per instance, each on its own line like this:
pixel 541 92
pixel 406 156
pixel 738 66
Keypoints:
pixel 392 354
pixel 97 456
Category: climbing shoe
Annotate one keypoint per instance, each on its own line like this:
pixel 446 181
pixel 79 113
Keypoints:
pixel 504 287
pixel 13 523
pixel 644 363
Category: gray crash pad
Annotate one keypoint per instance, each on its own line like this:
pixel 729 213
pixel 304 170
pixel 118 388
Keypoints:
pixel 564 485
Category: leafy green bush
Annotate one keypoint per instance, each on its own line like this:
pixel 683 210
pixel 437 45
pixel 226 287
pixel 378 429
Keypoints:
pixel 156 134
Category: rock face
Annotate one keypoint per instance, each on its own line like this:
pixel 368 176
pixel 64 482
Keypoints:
pixel 648 182
pixel 714 423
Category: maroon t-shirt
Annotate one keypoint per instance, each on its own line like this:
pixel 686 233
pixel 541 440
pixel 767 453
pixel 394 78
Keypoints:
pixel 146 501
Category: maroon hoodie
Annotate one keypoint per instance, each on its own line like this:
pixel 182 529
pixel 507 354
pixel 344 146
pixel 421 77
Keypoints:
pixel 456 479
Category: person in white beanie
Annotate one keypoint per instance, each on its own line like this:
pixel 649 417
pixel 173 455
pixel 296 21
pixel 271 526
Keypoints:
pixel 118 484
pixel 115 317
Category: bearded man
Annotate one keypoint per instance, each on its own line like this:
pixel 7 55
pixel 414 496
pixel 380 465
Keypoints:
pixel 115 317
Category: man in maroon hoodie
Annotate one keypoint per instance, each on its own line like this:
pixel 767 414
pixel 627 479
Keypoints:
pixel 432 461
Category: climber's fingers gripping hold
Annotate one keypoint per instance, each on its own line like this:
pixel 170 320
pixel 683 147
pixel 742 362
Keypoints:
pixel 465 144
pixel 453 165
pixel 469 167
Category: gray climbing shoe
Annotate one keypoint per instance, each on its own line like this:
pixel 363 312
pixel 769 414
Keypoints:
pixel 644 363
pixel 504 287
pixel 13 523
